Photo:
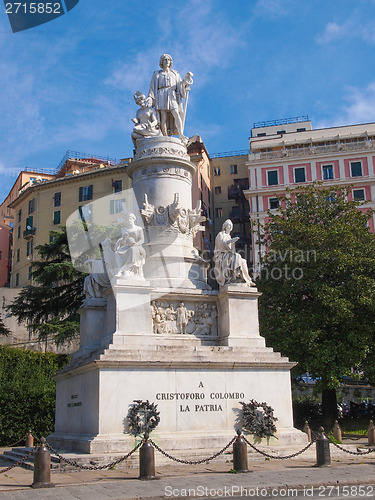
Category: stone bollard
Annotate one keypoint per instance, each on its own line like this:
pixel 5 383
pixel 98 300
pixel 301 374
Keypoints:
pixel 337 432
pixel 323 456
pixel 29 440
pixel 42 467
pixel 371 434
pixel 147 460
pixel 240 454
pixel 307 430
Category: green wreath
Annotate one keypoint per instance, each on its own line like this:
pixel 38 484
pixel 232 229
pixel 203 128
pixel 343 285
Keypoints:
pixel 142 417
pixel 258 418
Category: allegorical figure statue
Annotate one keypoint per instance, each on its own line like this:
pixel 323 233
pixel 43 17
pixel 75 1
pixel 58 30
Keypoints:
pixel 167 90
pixel 97 281
pixel 146 120
pixel 230 267
pixel 129 252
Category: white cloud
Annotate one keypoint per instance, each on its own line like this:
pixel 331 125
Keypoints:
pixel 348 29
pixel 333 31
pixel 360 108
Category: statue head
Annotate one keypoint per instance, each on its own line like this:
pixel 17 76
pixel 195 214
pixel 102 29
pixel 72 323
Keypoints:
pixel 228 224
pixel 163 57
pixel 139 98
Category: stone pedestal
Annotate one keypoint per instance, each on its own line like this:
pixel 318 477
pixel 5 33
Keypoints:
pixel 238 316
pixel 92 319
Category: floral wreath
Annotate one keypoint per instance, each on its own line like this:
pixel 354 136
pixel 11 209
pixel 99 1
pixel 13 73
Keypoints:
pixel 137 425
pixel 258 418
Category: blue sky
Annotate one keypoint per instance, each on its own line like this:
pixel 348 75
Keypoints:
pixel 69 84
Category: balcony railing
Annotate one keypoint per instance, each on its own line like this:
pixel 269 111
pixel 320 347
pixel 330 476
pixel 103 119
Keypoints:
pixel 28 234
pixel 313 150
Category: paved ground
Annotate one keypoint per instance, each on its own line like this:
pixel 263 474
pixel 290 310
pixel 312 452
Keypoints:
pixel 349 477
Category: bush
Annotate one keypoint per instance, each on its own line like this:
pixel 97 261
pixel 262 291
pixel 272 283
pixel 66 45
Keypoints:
pixel 27 392
pixel 306 408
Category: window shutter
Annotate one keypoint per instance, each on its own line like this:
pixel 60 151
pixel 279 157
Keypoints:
pixel 91 191
pixel 80 194
pixel 112 207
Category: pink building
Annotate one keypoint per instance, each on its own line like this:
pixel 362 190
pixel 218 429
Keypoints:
pixel 288 153
pixel 5 244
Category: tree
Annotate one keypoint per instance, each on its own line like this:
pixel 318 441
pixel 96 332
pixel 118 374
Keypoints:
pixel 318 286
pixel 4 330
pixel 50 305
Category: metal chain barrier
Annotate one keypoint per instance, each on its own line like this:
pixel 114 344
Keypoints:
pixel 18 442
pixel 348 451
pixel 275 456
pixel 192 462
pixel 25 457
pixel 94 467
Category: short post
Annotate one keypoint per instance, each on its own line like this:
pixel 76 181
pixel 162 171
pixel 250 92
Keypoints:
pixel 337 432
pixel 323 456
pixel 240 454
pixel 147 460
pixel 42 467
pixel 371 434
pixel 307 430
pixel 29 440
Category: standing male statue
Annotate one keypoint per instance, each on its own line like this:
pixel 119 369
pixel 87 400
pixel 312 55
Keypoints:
pixel 166 93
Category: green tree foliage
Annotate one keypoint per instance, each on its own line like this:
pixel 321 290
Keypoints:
pixel 318 286
pixel 4 330
pixel 50 305
pixel 27 392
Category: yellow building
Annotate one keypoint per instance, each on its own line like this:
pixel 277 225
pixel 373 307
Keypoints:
pixel 45 206
pixel 230 179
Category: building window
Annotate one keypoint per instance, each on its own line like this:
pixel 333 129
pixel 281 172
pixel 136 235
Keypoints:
pixel 57 217
pixel 0 254
pixel 356 168
pixel 30 271
pixel 17 279
pixel 117 186
pixel 18 254
pixel 233 169
pixel 57 199
pixel 218 212
pixel 274 203
pixel 218 190
pixel 86 193
pixel 359 194
pixel 19 232
pixel 217 171
pixel 301 129
pixel 281 132
pixel 116 206
pixel 273 177
pixel 262 134
pixel 85 213
pixel 327 172
pixel 299 174
pixel 19 215
pixel 29 248
pixel 31 206
pixel 29 222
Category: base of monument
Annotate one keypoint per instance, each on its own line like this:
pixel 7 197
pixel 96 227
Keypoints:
pixel 198 392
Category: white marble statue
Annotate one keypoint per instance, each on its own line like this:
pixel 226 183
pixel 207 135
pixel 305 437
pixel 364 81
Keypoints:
pixel 167 90
pixel 97 281
pixel 230 267
pixel 146 120
pixel 129 252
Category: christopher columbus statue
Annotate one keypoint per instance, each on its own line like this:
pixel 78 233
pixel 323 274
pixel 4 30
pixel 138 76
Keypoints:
pixel 167 90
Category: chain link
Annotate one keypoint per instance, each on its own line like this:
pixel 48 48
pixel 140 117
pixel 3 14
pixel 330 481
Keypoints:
pixel 94 467
pixel 18 442
pixel 25 457
pixel 192 462
pixel 349 451
pixel 275 456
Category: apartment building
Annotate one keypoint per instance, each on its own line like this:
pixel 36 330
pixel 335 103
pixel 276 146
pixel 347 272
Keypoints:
pixel 44 206
pixel 290 153
pixel 230 180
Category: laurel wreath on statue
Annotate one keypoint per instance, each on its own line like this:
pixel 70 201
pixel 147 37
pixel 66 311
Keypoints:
pixel 142 417
pixel 258 418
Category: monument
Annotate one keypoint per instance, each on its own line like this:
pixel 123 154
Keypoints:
pixel 152 328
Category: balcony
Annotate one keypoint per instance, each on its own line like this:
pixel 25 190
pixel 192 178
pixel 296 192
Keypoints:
pixel 339 147
pixel 29 233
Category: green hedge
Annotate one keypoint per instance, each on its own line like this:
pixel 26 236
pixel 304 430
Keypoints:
pixel 27 392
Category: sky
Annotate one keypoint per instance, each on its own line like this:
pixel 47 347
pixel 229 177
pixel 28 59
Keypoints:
pixel 69 84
